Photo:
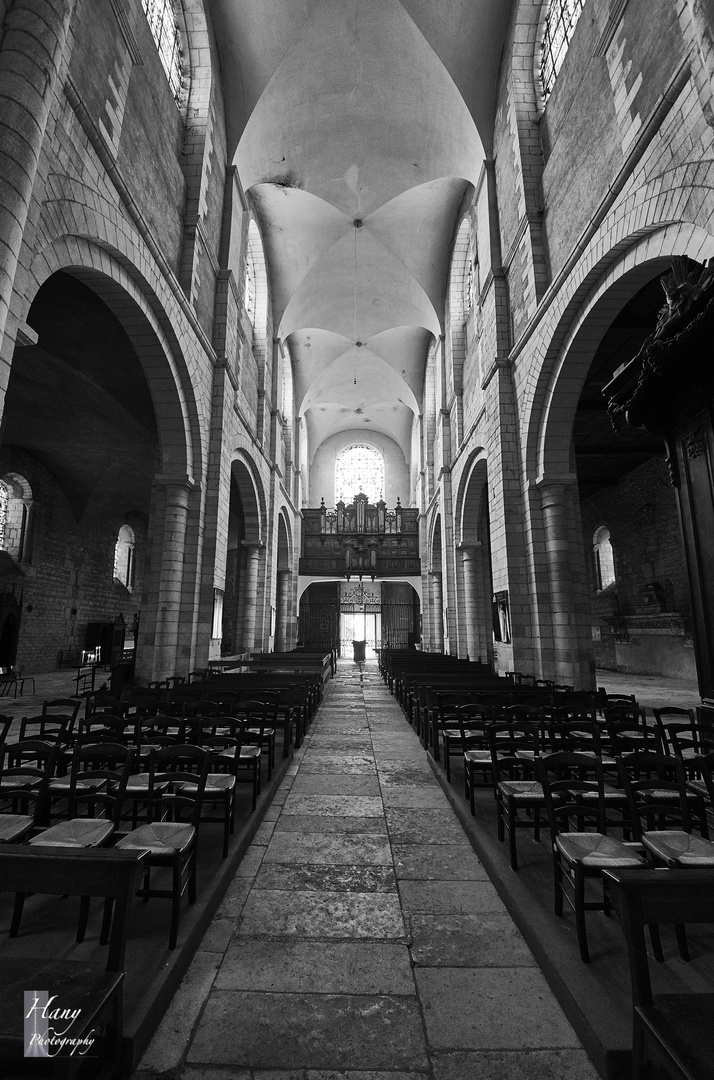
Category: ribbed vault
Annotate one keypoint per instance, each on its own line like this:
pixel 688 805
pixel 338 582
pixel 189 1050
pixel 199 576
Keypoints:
pixel 357 126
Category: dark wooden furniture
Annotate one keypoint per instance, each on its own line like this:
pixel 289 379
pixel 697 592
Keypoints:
pixel 671 1032
pixel 97 993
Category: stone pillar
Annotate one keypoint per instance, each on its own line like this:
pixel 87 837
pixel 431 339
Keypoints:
pixel 282 603
pixel 437 611
pixel 250 594
pixel 560 574
pixel 34 40
pixel 170 583
pixel 471 558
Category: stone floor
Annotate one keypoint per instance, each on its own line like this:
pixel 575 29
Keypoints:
pixel 361 937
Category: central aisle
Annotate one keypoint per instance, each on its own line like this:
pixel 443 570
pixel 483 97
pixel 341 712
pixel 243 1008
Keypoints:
pixel 361 933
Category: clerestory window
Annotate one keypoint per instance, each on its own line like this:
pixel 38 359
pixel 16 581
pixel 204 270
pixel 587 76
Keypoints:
pixel 560 23
pixel 161 16
pixel 359 468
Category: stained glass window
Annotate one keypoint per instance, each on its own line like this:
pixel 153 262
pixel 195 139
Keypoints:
pixel 359 468
pixel 161 15
pixel 560 23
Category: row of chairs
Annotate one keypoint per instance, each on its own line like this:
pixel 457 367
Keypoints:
pixel 111 796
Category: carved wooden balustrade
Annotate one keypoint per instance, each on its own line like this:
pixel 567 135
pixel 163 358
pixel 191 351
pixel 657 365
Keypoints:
pixel 360 539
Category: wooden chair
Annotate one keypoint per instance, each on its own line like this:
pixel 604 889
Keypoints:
pixel 97 993
pixel 672 1034
pixel 177 780
pixel 513 749
pixel 573 786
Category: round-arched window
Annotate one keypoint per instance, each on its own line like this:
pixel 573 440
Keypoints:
pixel 604 558
pixel 161 16
pixel 359 468
pixel 124 557
pixel 560 22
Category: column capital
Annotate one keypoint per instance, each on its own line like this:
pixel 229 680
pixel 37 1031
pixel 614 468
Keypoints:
pixel 255 545
pixel 179 480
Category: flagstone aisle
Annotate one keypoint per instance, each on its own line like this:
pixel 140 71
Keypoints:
pixel 361 934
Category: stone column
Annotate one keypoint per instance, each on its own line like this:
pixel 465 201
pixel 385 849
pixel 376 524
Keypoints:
pixel 170 584
pixel 437 611
pixel 34 40
pixel 282 603
pixel 471 556
pixel 560 573
pixel 250 594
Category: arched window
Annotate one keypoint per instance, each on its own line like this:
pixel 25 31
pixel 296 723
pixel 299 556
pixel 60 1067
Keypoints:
pixel 161 15
pixel 560 22
pixel 604 558
pixel 359 468
pixel 4 505
pixel 124 557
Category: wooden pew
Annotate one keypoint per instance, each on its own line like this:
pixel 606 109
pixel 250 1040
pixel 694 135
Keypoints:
pixel 96 992
pixel 673 1033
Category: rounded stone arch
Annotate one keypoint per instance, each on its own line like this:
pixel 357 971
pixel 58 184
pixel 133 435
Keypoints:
pixel 252 496
pixel 474 579
pixel 576 330
pixel 285 541
pixel 148 326
pixel 468 508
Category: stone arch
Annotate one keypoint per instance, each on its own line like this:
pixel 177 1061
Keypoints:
pixel 474 582
pixel 577 333
pixel 285 542
pixel 284 591
pixel 126 293
pixel 252 497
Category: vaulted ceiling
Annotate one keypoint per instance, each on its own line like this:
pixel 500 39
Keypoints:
pixel 356 127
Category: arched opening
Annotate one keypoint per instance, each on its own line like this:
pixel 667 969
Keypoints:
pixel 244 600
pixel 162 18
pixel 79 452
pixel 557 28
pixel 283 592
pixel 474 575
pixel 435 592
pixel 124 557
pixel 636 567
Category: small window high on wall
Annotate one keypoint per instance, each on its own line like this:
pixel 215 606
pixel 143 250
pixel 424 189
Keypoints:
pixel 124 557
pixel 359 468
pixel 161 15
pixel 604 558
pixel 560 23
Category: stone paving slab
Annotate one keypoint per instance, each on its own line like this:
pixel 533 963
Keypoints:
pixel 482 940
pixel 339 805
pixel 334 850
pixel 414 798
pixel 344 915
pixel 345 826
pixel 329 783
pixel 491 1008
pixel 310 1031
pixel 361 879
pixel 437 862
pixel 514 1065
pixel 306 967
pixel 425 826
pixel 451 897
